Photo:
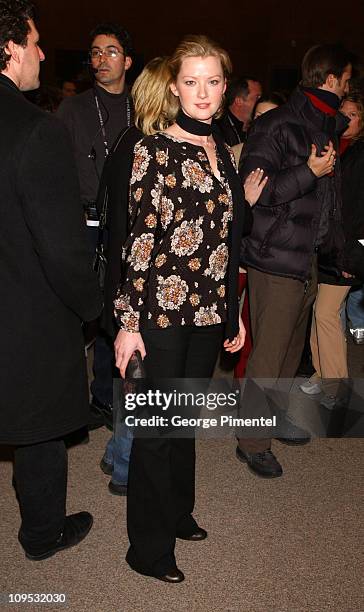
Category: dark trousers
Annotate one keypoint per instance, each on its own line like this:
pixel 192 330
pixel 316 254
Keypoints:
pixel 161 488
pixel 279 310
pixel 40 474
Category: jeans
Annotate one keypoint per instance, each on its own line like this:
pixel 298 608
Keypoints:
pixel 355 307
pixel 117 452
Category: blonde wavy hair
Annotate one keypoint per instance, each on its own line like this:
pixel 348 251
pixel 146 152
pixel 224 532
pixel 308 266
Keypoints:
pixel 193 45
pixel 149 94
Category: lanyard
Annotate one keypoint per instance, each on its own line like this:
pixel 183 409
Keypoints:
pixel 102 123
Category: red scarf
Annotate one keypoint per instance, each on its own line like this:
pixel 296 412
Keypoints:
pixel 322 106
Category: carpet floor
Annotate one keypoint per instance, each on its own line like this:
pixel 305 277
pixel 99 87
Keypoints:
pixel 293 544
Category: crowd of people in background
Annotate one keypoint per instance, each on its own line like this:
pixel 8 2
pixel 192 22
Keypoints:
pixel 197 189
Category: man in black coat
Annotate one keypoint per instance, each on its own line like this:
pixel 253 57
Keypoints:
pixel 297 214
pixel 48 289
pixel 94 120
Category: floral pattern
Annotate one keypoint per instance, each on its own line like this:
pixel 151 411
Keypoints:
pixel 176 255
pixel 207 316
pixel 218 261
pixel 171 292
pixel 196 177
pixel 141 251
pixel 187 237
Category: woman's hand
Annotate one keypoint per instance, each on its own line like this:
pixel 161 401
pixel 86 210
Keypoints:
pixel 347 275
pixel 254 185
pixel 238 342
pixel 125 344
pixel 324 164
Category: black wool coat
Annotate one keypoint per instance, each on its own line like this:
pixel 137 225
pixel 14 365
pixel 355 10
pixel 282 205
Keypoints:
pixel 292 215
pixel 46 278
pixel 114 193
pixel 352 162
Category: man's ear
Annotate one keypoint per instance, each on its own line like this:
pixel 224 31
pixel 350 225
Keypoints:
pixel 330 81
pixel 174 90
pixel 128 62
pixel 13 50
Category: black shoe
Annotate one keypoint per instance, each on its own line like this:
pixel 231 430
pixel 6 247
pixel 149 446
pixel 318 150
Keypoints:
pixel 106 467
pixel 262 464
pixel 196 536
pixel 174 576
pixel 100 415
pixel 294 441
pixel 76 528
pixel 118 489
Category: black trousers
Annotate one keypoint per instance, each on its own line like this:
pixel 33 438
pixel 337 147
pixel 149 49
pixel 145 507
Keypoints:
pixel 40 474
pixel 161 486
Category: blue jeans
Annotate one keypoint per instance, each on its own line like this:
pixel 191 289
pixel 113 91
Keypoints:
pixel 117 453
pixel 355 307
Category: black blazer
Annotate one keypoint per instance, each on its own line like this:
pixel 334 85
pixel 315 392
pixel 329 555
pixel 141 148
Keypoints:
pixel 46 278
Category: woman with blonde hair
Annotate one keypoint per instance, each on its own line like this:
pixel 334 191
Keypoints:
pixel 149 94
pixel 178 303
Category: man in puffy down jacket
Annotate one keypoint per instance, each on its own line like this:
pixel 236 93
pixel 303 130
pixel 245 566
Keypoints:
pixel 298 213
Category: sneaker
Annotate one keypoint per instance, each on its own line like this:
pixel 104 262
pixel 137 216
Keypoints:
pixel 263 464
pixel 357 335
pixel 311 388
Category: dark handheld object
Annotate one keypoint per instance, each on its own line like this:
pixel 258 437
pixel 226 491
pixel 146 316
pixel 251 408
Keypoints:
pixel 135 368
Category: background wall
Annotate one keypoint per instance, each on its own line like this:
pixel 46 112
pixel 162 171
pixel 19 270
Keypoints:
pixel 261 36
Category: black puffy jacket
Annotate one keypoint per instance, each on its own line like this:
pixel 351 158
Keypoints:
pixel 292 216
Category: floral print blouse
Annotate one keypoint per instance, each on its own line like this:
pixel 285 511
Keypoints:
pixel 176 255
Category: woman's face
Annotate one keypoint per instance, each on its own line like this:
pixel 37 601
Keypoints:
pixel 351 111
pixel 200 85
pixel 263 107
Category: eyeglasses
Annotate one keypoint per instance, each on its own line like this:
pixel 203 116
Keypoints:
pixel 113 52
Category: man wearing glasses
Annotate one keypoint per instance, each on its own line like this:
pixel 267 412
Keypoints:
pixel 94 119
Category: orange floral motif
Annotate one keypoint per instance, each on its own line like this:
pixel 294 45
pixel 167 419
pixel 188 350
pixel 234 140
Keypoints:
pixel 170 181
pixel 171 292
pixel 160 260
pixel 224 198
pixel 166 211
pixel 161 157
pixel 196 177
pixel 221 291
pixel 218 261
pixel 210 205
pixel 194 299
pixel 151 221
pixel 179 215
pixel 207 316
pixel 141 251
pixel 194 264
pixel 140 163
pixel 163 321
pixel 139 284
pixel 187 237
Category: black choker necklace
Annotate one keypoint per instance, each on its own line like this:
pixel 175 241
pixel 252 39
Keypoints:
pixel 193 126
